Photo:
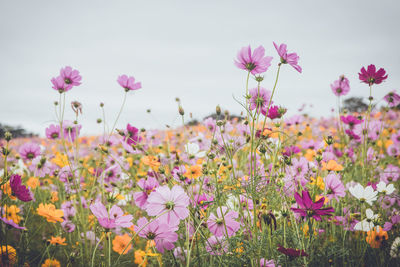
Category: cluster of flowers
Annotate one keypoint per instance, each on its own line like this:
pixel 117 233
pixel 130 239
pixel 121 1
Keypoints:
pixel 262 190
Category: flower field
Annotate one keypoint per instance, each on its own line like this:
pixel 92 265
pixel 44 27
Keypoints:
pixel 260 189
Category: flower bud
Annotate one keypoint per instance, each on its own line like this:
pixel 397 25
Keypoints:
pixel 101 104
pixel 99 120
pixel 181 111
pixel 259 78
pixel 7 136
pixel 218 110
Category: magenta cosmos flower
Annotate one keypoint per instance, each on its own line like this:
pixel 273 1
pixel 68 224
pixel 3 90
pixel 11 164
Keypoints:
pixel 132 135
pixel 163 234
pixel 341 86
pixel 350 120
pixel 288 58
pixel 70 76
pixel 254 62
pixel 371 76
pixel 307 208
pixel 259 99
pixel 59 85
pixel 128 83
pixel 29 151
pixel 217 226
pixel 53 131
pixel 111 219
pixel 171 203
pixel 19 190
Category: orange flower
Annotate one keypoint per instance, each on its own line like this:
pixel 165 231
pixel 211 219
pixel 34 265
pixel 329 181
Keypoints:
pixel 140 258
pixel 376 236
pixel 33 182
pixel 54 196
pixel 7 190
pixel 8 256
pixel 121 242
pixel 310 154
pixel 332 166
pixel 57 241
pixel 151 161
pixel 193 172
pixel 50 212
pixel 51 263
pixel 11 213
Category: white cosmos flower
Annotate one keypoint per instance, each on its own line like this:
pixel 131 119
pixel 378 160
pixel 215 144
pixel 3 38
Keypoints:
pixel 366 194
pixel 193 149
pixel 395 249
pixel 368 223
pixel 383 188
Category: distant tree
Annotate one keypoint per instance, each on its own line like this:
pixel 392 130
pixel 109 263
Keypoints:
pixel 354 104
pixel 16 132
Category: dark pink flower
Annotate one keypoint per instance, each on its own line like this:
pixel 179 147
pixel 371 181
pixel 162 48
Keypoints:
pixel 19 190
pixel 132 135
pixel 308 208
pixel 291 252
pixel 371 76
pixel 224 219
pixel 254 62
pixel 288 58
pixel 128 83
pixel 274 113
pixel 60 85
pixel 341 86
pixel 70 76
pixel 171 203
pixel 29 151
pixel 290 150
pixel 111 219
pixel 350 120
pixel 163 234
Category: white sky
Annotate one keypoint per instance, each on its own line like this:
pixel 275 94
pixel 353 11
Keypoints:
pixel 185 49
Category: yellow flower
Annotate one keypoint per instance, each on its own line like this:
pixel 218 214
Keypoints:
pixel 319 182
pixel 33 182
pixel 57 241
pixel 51 263
pixel 151 161
pixel 60 159
pixel 332 166
pixel 122 244
pixel 50 212
pixel 54 196
pixel 11 213
pixel 8 256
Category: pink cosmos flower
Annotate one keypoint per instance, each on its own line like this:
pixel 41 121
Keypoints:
pixel 147 185
pixel 128 83
pixel 53 131
pixel 259 100
pixel 71 130
pixel 70 76
pixel 341 86
pixel 111 219
pixel 29 151
pixel 216 223
pixel 59 85
pixel 393 99
pixel 334 187
pixel 172 203
pixel 350 120
pixel 267 263
pixel 274 113
pixel 12 223
pixel 371 76
pixel 255 63
pixel 308 208
pixel 288 58
pixel 163 234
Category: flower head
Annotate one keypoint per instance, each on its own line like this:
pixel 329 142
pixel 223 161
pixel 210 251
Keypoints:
pixel 371 76
pixel 171 203
pixel 366 194
pixel 128 83
pixel 60 85
pixel 307 208
pixel 132 135
pixel 334 187
pixel 223 220
pixel 291 252
pixel 393 99
pixel 53 131
pixel 254 62
pixel 260 98
pixel 288 58
pixel 29 151
pixel 395 248
pixel 111 219
pixel 19 190
pixel 122 244
pixel 70 76
pixel 368 223
pixel 341 86
pixel 375 237
pixel 50 212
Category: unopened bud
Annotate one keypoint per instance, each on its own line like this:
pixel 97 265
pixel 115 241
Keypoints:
pixel 259 78
pixel 101 104
pixel 99 120
pixel 220 123
pixel 218 110
pixel 7 136
pixel 55 103
pixel 181 111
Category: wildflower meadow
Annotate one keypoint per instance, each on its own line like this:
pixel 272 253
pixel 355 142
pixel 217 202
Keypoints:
pixel 258 189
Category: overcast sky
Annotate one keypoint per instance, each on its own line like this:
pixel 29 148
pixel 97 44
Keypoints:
pixel 185 49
